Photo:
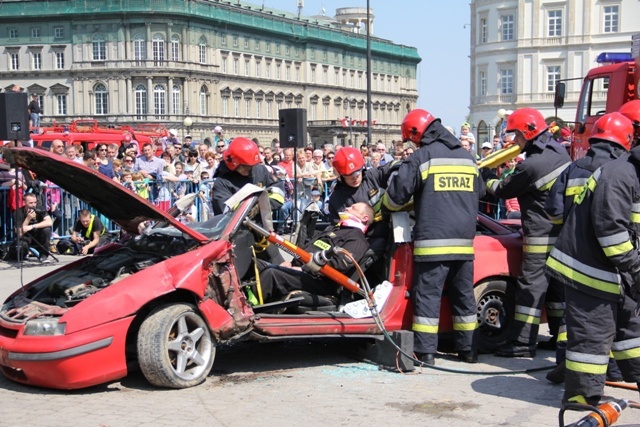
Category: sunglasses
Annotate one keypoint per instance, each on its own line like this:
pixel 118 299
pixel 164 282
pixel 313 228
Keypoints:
pixel 330 158
pixel 102 149
pixel 128 161
pixel 220 146
pixel 193 155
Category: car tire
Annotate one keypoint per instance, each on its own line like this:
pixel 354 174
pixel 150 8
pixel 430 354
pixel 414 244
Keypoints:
pixel 495 304
pixel 175 349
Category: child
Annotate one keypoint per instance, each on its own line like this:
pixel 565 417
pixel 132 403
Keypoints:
pixel 204 193
pixel 127 180
pixel 141 185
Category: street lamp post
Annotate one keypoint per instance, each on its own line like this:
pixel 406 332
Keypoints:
pixel 187 122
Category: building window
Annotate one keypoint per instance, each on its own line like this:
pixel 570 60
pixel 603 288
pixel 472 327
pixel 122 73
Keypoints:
pixel 37 61
pixel 159 101
pixel 13 33
pixel 247 105
pixel 99 48
pixel 555 23
pixel 15 61
pixel 287 73
pixel 158 49
pixel 258 108
pixel 484 31
pixel 611 19
pixel 314 110
pixel 482 80
pixel 258 65
pixel 278 65
pixel 246 67
pixel 35 33
pixel 175 48
pixel 325 111
pixel 225 106
pixel 203 100
pixel 223 39
pixel 246 43
pixel 59 60
pixel 236 107
pixel 101 99
pixel 267 47
pixel 235 41
pixel 176 99
pixel 269 102
pixel 267 70
pixel 256 45
pixel 61 104
pixel 553 77
pixel 507 27
pixel 141 101
pixel 236 65
pixel 202 50
pixel 223 64
pixel 58 33
pixel 287 50
pixel 313 74
pixel 139 48
pixel 506 82
pixel 277 48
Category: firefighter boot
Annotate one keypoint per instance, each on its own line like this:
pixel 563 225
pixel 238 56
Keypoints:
pixel 426 359
pixel 556 376
pixel 516 349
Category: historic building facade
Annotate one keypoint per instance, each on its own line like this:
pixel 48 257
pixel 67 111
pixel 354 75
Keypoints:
pixel 196 64
pixel 520 49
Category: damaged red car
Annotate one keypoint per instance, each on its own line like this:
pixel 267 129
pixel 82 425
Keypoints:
pixel 164 300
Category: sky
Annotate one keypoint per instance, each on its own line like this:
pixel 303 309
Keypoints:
pixel 438 29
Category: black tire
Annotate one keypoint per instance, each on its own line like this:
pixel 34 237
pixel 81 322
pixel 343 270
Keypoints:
pixel 495 304
pixel 175 349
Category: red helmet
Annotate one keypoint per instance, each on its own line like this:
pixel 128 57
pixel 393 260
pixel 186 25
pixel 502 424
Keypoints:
pixel 614 127
pixel 528 121
pixel 415 124
pixel 631 110
pixel 348 160
pixel 241 151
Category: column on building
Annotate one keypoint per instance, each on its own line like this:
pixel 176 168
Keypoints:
pixel 150 94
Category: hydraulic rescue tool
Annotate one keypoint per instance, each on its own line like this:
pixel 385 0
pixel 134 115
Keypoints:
pixel 601 416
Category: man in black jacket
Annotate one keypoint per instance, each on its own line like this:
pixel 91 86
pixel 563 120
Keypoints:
pixel 278 281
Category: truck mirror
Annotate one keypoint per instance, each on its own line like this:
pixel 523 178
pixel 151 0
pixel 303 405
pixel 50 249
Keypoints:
pixel 558 99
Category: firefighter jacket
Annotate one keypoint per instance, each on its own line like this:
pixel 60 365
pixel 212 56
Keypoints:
pixel 598 242
pixel 444 180
pixel 530 183
pixel 570 182
pixel 228 182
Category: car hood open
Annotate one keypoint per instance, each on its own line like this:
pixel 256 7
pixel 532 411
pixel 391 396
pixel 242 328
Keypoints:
pixel 111 199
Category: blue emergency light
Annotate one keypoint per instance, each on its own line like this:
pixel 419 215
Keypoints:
pixel 613 57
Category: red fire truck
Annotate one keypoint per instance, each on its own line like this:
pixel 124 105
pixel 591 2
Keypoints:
pixel 610 85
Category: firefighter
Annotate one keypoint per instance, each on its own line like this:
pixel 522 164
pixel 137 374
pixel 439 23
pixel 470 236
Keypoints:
pixel 596 258
pixel 243 165
pixel 530 183
pixel 356 184
pixel 606 144
pixel 631 110
pixel 444 180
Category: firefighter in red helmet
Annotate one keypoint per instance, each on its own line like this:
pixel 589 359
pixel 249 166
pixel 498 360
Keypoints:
pixel 444 181
pixel 530 183
pixel 608 142
pixel 356 184
pixel 596 258
pixel 631 110
pixel 243 165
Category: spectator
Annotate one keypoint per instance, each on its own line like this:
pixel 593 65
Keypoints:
pixel 105 166
pixel 487 149
pixel 203 149
pixel 376 158
pixel 171 139
pixel 90 160
pixel 168 164
pixel 34 111
pixel 210 167
pixel 179 188
pixel 141 185
pixel 497 145
pixel 308 154
pixel 287 162
pixel 193 165
pixel 466 135
pixel 72 154
pixel 398 154
pixel 384 156
pixel 34 225
pixel 57 147
pixel 148 164
pixel 268 157
pixel 112 151
pixel 407 152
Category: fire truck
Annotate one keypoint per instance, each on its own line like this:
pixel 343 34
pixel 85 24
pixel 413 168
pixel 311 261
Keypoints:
pixel 610 85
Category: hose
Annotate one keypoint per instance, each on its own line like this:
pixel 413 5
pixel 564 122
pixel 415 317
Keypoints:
pixel 368 295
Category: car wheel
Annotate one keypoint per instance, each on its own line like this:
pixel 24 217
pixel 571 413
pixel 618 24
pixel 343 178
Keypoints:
pixel 175 348
pixel 495 305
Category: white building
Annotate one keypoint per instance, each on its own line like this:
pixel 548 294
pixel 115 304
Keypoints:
pixel 521 48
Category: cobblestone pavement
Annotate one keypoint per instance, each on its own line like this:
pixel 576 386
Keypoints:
pixel 299 383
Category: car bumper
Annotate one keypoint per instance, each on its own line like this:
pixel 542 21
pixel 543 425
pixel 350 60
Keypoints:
pixel 72 361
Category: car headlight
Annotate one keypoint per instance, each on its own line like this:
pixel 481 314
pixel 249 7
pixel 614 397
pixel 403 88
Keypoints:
pixel 42 327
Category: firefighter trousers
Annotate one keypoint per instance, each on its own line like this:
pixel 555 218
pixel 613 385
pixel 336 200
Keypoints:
pixel 428 283
pixel 596 328
pixel 277 282
pixel 535 289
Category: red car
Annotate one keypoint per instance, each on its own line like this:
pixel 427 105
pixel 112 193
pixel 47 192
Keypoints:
pixel 163 300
